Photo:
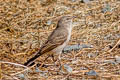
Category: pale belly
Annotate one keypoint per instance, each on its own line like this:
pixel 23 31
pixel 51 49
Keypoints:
pixel 60 48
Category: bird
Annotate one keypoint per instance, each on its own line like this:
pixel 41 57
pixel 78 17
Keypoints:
pixel 56 41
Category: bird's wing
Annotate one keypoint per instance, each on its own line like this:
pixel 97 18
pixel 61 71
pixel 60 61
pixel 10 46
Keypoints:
pixel 54 40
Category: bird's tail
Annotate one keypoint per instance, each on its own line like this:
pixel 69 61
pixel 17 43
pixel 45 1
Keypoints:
pixel 31 62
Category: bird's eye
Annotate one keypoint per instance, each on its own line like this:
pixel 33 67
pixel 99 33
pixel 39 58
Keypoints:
pixel 67 18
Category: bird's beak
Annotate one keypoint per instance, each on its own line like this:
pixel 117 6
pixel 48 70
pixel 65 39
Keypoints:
pixel 56 18
pixel 74 17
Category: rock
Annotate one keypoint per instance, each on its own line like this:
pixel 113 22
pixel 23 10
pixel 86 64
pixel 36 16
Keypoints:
pixel 91 73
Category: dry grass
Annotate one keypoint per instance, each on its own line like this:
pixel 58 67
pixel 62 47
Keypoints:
pixel 26 24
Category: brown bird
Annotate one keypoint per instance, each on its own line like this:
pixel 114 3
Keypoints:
pixel 56 41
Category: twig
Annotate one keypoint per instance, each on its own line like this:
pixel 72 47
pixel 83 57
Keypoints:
pixel 114 46
pixel 109 50
pixel 28 68
pixel 13 63
pixel 11 77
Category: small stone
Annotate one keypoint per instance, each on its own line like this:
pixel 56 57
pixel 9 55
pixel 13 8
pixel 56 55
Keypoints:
pixel 76 47
pixel 83 68
pixel 21 76
pixel 85 1
pixel 91 55
pixel 37 69
pixel 117 59
pixel 109 61
pixel 49 22
pixel 66 68
pixel 91 73
pixel 106 8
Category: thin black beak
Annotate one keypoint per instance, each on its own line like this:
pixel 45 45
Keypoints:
pixel 74 17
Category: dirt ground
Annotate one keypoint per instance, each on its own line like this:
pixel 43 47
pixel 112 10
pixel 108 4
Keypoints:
pixel 26 24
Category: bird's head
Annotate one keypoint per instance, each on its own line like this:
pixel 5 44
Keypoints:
pixel 65 21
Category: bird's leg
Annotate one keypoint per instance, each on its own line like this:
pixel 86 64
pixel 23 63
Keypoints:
pixel 42 65
pixel 59 59
pixel 46 58
pixel 53 58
